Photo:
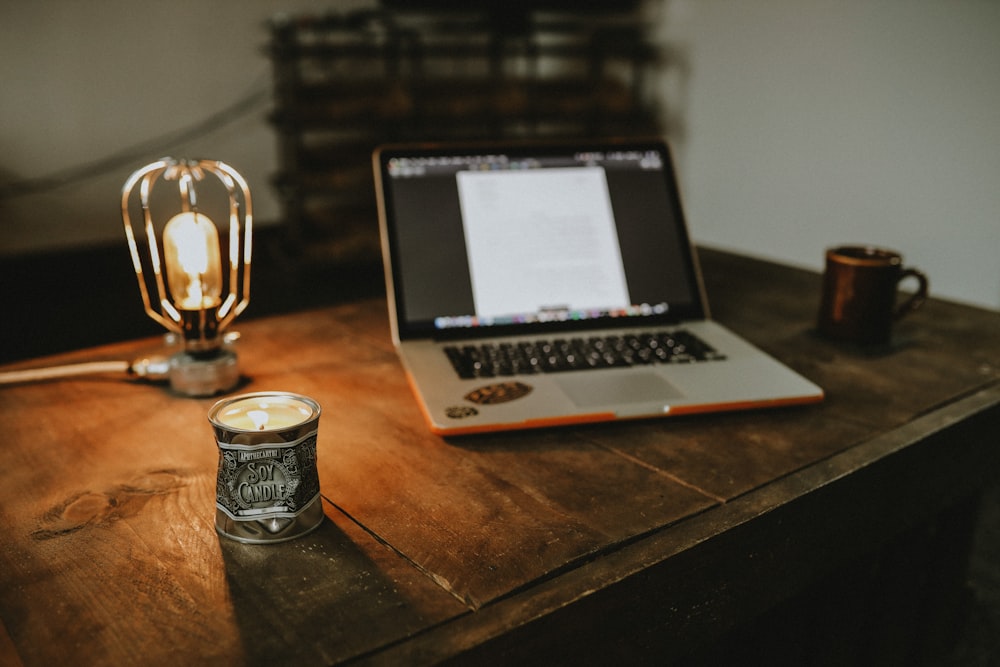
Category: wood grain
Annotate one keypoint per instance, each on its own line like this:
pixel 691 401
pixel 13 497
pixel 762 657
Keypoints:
pixel 436 548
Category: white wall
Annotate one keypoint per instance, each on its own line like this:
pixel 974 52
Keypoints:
pixel 808 122
pixel 80 81
pixel 812 123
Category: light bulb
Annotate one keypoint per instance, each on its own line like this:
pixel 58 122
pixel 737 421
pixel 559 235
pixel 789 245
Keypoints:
pixel 193 261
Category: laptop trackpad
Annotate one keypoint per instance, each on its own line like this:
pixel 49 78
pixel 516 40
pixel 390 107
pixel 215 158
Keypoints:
pixel 594 389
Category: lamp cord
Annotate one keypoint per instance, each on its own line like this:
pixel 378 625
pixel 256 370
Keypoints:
pixel 68 370
pixel 152 368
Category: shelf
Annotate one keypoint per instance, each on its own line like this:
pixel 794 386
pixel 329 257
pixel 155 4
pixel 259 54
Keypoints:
pixel 345 83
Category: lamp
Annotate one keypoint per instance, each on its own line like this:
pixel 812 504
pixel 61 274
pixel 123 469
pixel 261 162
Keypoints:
pixel 195 298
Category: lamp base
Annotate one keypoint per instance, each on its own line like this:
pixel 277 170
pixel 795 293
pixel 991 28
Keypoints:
pixel 199 375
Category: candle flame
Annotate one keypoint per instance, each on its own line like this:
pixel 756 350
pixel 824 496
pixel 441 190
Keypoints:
pixel 259 418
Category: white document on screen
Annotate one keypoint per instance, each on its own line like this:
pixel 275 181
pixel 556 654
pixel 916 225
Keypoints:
pixel 541 240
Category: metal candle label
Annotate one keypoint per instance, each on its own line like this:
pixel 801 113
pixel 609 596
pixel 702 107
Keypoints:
pixel 267 488
pixel 267 480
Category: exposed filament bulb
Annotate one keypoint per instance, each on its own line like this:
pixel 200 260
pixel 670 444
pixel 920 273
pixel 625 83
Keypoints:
pixel 192 258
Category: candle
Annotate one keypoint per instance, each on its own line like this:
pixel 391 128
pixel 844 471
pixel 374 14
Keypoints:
pixel 268 411
pixel 268 485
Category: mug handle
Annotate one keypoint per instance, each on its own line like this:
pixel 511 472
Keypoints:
pixel 918 297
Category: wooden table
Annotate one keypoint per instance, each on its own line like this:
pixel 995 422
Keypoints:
pixel 642 540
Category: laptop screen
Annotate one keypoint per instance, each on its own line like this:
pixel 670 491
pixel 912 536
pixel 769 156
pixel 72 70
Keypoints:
pixel 502 239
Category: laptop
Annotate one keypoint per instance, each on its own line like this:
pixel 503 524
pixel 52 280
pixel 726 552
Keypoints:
pixel 545 284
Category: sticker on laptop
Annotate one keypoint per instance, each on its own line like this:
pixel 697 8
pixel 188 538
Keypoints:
pixel 461 411
pixel 503 392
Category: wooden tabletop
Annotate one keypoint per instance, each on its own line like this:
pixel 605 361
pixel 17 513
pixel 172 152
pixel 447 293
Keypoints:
pixel 496 546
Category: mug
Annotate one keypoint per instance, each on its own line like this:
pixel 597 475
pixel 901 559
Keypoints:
pixel 858 302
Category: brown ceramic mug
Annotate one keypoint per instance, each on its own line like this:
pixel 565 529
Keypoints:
pixel 858 302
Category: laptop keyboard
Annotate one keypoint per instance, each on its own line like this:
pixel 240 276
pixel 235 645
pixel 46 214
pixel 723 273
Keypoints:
pixel 570 354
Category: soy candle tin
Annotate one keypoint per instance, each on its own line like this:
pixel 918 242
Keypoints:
pixel 268 486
